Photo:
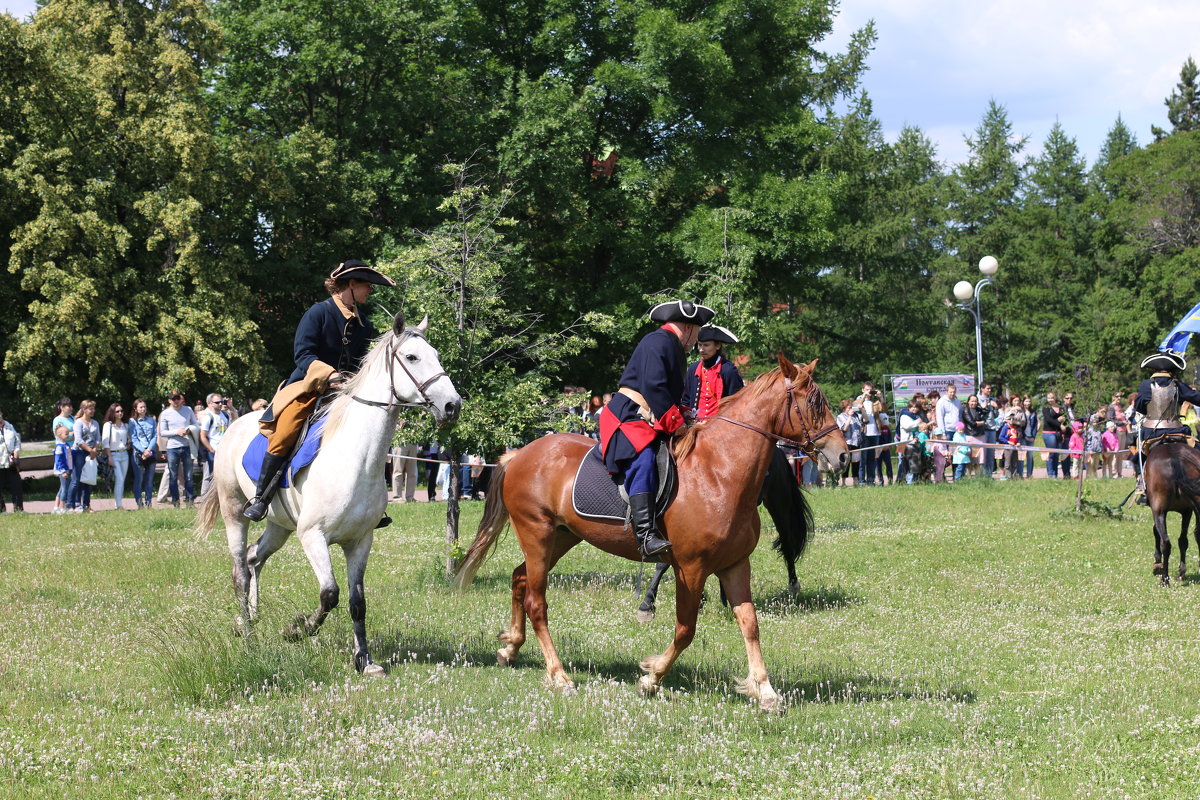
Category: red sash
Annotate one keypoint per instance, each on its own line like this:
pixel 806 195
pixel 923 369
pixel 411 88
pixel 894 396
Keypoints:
pixel 712 387
pixel 638 431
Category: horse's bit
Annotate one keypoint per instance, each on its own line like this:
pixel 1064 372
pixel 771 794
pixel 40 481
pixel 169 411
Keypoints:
pixel 808 442
pixel 393 360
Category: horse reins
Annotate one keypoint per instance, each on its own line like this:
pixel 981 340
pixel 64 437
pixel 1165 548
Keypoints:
pixel 809 443
pixel 393 359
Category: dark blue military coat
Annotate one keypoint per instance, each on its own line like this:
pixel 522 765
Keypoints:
pixel 655 370
pixel 731 380
pixel 325 334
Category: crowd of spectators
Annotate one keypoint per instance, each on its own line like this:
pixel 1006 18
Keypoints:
pixel 983 436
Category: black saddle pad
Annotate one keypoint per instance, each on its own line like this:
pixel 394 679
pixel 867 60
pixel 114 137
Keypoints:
pixel 596 495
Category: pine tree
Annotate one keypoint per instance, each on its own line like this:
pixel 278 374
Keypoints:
pixel 1183 104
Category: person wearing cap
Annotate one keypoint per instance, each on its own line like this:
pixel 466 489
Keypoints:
pixel 711 378
pixel 331 341
pixel 1160 396
pixel 646 409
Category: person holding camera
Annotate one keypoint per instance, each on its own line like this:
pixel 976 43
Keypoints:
pixel 143 437
pixel 871 404
pixel 850 423
pixel 213 424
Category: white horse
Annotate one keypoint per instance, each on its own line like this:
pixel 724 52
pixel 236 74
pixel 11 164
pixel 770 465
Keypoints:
pixel 339 498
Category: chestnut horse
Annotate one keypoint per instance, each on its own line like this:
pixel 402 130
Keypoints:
pixel 1172 475
pixel 712 522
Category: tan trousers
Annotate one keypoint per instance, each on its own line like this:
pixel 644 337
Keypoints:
pixel 289 421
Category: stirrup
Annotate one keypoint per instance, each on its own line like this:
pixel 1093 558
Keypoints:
pixel 652 546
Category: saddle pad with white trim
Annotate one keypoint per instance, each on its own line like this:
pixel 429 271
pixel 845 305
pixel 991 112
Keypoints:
pixel 596 495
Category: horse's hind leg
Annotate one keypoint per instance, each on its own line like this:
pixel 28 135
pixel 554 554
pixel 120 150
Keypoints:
pixel 513 636
pixel 542 552
pixel 757 685
pixel 1162 546
pixel 273 538
pixel 1183 542
pixel 317 550
pixel 646 609
pixel 356 567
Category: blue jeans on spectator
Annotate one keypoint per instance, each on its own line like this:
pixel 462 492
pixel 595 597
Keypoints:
pixel 180 458
pixel 466 488
pixel 960 472
pixel 143 480
pixel 1029 457
pixel 1051 440
pixel 120 465
pixel 64 489
pixel 81 493
pixel 870 461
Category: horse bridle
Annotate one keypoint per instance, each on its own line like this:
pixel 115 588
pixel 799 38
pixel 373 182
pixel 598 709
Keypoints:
pixel 807 444
pixel 395 400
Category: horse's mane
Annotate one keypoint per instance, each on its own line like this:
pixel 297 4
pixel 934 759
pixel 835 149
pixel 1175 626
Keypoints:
pixel 684 444
pixel 335 413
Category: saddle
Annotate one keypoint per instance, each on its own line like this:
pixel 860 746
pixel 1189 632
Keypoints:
pixel 596 495
pixel 304 453
pixel 1167 438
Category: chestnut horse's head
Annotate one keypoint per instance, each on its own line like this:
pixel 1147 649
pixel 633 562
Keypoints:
pixel 808 417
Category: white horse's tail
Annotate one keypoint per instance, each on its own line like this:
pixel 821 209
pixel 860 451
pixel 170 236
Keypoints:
pixel 207 509
pixel 495 520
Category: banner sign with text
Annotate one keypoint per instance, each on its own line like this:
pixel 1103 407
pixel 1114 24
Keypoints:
pixel 905 386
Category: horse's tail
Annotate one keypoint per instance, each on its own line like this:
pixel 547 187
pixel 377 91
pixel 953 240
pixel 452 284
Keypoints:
pixel 207 509
pixel 788 507
pixel 495 520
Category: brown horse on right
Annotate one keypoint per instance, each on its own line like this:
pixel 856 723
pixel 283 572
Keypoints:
pixel 712 523
pixel 1171 472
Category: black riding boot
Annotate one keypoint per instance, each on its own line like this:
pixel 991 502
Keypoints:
pixel 268 479
pixel 645 527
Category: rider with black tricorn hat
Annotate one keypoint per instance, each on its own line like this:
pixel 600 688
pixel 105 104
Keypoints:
pixel 713 377
pixel 331 341
pixel 1160 396
pixel 646 410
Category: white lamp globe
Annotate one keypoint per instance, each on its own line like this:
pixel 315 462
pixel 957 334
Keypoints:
pixel 988 265
pixel 963 290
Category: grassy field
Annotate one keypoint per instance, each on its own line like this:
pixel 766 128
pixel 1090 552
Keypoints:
pixel 949 642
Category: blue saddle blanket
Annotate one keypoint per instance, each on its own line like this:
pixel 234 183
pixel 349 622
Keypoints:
pixel 304 455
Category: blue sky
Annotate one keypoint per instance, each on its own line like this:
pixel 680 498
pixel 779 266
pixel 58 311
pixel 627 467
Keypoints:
pixel 937 63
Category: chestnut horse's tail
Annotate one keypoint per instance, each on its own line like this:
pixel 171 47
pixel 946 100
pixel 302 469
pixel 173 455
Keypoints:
pixel 495 520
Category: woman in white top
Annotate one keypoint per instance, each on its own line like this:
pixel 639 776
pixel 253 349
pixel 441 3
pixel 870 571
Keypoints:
pixel 114 438
pixel 87 445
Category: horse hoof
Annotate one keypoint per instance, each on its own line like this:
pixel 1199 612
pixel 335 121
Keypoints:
pixel 647 686
pixel 503 659
pixel 562 684
pixel 645 616
pixel 794 588
pixel 373 671
pixel 772 704
pixel 241 627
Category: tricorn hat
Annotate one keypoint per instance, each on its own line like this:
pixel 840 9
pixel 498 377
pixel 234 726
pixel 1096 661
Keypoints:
pixel 353 269
pixel 1168 361
pixel 715 333
pixel 682 311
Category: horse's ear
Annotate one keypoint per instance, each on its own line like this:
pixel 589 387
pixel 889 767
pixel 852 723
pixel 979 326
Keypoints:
pixel 398 323
pixel 788 369
pixel 810 368
pixel 424 326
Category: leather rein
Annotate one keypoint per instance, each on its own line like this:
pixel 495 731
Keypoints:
pixel 395 400
pixel 808 442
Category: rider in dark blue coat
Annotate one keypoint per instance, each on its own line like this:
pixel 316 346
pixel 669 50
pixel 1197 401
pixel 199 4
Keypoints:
pixel 713 376
pixel 646 409
pixel 1160 396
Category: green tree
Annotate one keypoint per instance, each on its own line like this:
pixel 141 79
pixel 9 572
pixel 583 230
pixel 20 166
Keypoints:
pixel 502 361
pixel 1183 104
pixel 136 288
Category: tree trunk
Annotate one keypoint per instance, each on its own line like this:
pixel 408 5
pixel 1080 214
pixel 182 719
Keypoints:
pixel 453 486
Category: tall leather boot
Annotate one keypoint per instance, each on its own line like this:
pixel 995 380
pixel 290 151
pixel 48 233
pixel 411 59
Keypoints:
pixel 269 476
pixel 645 527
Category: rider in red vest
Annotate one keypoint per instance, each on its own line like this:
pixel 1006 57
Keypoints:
pixel 713 376
pixel 645 410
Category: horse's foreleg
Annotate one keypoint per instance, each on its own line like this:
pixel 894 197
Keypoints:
pixel 514 635
pixel 235 538
pixel 689 588
pixel 356 567
pixel 757 686
pixel 535 607
pixel 1183 542
pixel 272 539
pixel 317 550
pixel 646 609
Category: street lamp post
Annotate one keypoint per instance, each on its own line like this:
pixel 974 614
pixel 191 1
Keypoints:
pixel 968 300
